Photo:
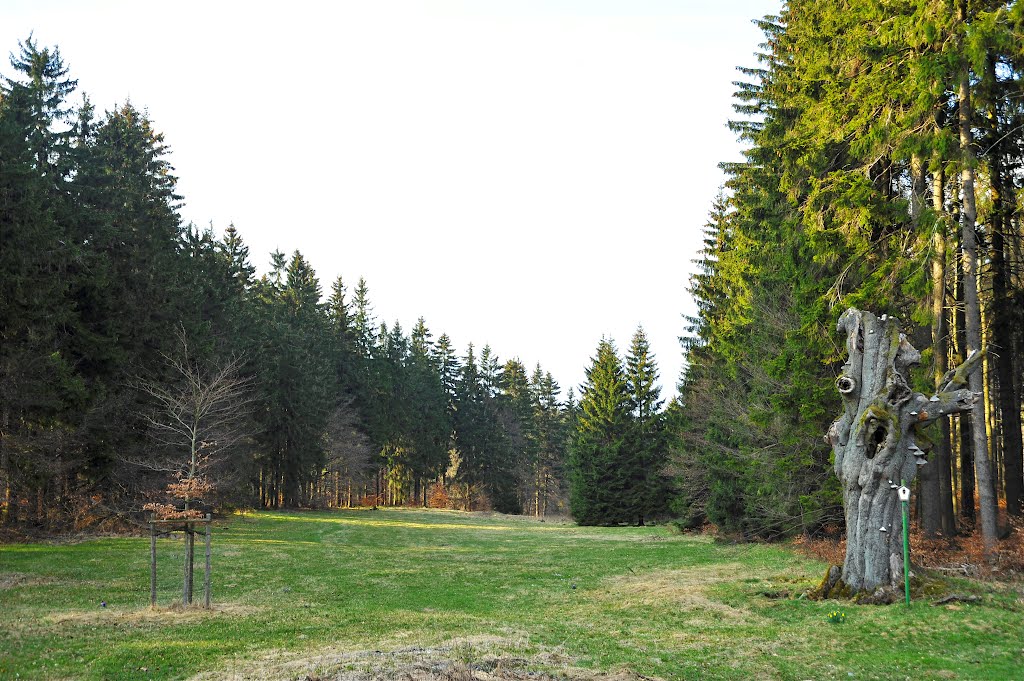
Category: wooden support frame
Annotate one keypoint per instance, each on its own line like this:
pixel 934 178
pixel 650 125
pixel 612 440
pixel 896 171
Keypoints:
pixel 188 527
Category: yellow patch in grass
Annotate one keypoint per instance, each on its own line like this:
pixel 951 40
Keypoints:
pixel 683 589
pixel 174 614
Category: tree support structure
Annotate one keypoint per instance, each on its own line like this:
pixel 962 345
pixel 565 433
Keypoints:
pixel 188 527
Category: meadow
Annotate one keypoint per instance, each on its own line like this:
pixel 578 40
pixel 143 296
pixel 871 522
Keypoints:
pixel 418 594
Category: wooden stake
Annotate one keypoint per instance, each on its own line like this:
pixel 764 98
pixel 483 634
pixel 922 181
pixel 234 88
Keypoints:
pixel 206 584
pixel 186 589
pixel 152 562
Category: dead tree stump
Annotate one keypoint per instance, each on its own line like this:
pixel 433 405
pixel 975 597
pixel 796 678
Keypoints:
pixel 877 444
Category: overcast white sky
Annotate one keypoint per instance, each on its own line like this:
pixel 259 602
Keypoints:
pixel 532 175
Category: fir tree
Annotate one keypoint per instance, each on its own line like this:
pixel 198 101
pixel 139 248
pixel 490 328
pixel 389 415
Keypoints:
pixel 646 441
pixel 598 479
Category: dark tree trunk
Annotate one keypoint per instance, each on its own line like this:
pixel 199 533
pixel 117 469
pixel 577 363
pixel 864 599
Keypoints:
pixel 972 309
pixel 1002 333
pixel 941 324
pixel 877 445
pixel 1003 315
pixel 965 455
pixel 930 495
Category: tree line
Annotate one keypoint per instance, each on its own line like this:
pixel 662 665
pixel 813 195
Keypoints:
pixel 144 361
pixel 883 171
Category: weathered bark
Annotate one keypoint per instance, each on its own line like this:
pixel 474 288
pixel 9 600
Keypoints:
pixel 877 444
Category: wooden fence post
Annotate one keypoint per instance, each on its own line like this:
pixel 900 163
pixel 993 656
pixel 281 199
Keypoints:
pixel 206 585
pixel 152 561
pixel 186 588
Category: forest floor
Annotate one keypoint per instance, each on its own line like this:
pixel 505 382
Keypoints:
pixel 424 595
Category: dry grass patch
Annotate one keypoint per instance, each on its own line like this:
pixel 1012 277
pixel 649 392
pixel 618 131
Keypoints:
pixel 11 580
pixel 684 590
pixel 639 537
pixel 174 614
pixel 473 658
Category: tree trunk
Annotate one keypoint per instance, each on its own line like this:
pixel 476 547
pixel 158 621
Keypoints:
pixel 965 459
pixel 972 309
pixel 1002 340
pixel 940 352
pixel 877 445
pixel 929 495
pixel 6 499
pixel 186 590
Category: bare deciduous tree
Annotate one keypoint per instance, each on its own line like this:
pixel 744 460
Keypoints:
pixel 349 453
pixel 199 415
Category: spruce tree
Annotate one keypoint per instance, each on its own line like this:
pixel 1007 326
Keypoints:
pixel 41 393
pixel 296 381
pixel 646 443
pixel 484 449
pixel 515 412
pixel 598 478
pixel 42 87
pixel 429 425
pixel 552 437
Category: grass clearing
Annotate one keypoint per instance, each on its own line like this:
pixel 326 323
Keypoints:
pixel 400 593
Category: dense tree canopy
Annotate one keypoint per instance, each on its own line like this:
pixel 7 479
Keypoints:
pixel 103 286
pixel 883 172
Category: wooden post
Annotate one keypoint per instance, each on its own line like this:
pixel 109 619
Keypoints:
pixel 191 561
pixel 152 561
pixel 190 552
pixel 184 586
pixel 206 582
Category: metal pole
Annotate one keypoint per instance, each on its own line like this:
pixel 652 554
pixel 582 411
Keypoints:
pixel 206 585
pixel 152 561
pixel 906 544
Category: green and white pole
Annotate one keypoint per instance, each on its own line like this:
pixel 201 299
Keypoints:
pixel 904 494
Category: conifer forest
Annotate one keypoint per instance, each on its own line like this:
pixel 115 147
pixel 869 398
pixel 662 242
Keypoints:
pixel 146 366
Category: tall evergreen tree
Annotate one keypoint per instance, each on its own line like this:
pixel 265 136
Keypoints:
pixel 646 441
pixel 552 438
pixel 598 479
pixel 40 391
pixel 430 424
pixel 484 449
pixel 42 88
pixel 296 377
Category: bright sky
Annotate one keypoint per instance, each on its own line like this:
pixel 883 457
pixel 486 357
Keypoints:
pixel 532 175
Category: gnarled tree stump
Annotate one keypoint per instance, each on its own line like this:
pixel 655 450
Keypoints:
pixel 877 443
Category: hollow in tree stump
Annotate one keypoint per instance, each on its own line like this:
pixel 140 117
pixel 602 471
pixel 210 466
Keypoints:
pixel 877 444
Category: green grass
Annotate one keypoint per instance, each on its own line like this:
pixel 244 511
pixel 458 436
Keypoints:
pixel 299 593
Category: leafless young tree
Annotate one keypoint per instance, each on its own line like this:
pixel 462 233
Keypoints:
pixel 199 414
pixel 349 454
